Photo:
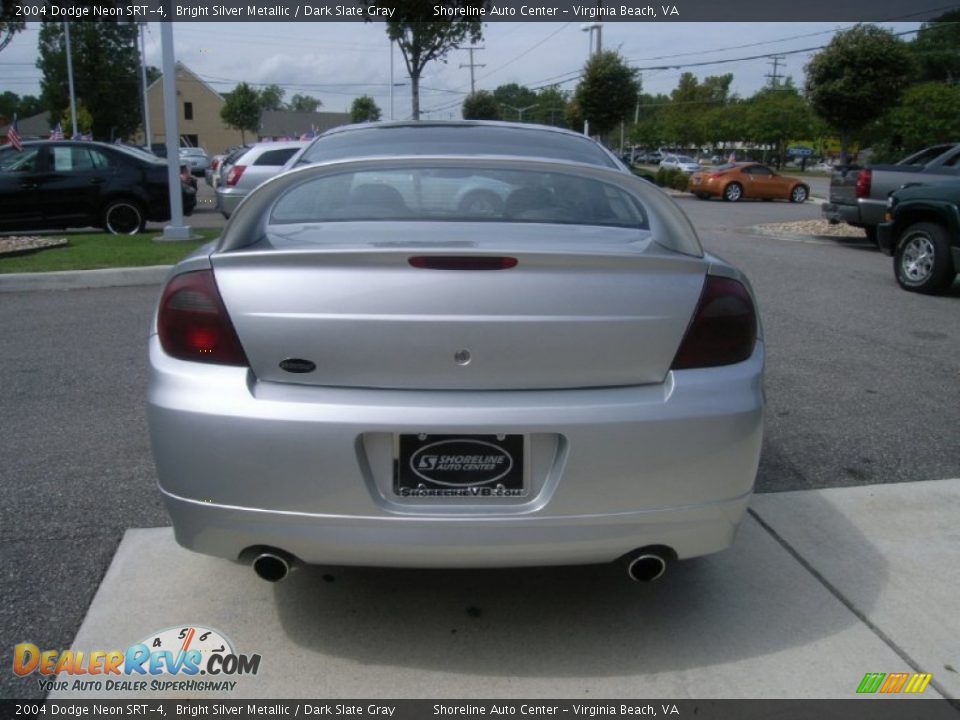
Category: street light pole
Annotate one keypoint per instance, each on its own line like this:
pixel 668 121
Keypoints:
pixel 147 136
pixel 521 111
pixel 73 101
pixel 590 27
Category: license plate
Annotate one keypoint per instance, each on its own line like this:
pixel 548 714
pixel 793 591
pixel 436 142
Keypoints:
pixel 459 466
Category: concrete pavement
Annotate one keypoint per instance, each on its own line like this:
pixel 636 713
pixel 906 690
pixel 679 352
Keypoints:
pixel 820 588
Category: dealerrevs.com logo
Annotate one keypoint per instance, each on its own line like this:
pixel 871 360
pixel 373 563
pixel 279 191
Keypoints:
pixel 169 660
pixel 892 683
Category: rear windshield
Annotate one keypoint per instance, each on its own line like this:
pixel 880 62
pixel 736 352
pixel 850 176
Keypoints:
pixel 459 194
pixel 454 140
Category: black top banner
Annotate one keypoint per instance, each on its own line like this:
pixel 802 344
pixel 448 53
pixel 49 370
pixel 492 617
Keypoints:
pixel 739 11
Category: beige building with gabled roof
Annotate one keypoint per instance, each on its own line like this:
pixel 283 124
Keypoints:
pixel 198 114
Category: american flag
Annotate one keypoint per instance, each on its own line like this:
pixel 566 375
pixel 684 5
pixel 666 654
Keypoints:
pixel 13 137
pixel 56 133
pixel 309 135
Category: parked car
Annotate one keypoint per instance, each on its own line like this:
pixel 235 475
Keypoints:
pixel 352 376
pixel 679 162
pixel 858 196
pixel 250 168
pixel 443 138
pixel 736 181
pixel 479 196
pixel 64 184
pixel 196 159
pixel 922 233
pixel 225 163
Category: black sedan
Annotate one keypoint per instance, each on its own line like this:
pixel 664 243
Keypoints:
pixel 63 184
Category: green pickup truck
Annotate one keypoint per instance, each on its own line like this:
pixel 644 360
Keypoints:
pixel 922 233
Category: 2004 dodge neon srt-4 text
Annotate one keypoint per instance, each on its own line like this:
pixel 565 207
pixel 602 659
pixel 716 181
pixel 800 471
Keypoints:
pixel 456 357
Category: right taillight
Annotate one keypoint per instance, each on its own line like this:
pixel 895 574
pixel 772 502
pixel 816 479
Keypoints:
pixel 724 327
pixel 193 323
pixel 864 179
pixel 234 175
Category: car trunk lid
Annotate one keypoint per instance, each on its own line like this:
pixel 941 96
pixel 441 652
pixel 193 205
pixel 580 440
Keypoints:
pixel 504 306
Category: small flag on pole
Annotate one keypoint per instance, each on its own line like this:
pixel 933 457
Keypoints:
pixel 13 137
pixel 733 157
pixel 56 133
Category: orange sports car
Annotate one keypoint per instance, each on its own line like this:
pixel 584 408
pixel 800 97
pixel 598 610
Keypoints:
pixel 735 181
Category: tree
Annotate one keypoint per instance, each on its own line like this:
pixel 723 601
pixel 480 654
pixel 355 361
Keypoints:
pixel 106 74
pixel 303 103
pixel 481 105
pixel 422 41
pixel 9 25
pixel 84 120
pixel 935 49
pixel 242 110
pixel 778 114
pixel 551 106
pixel 271 98
pixel 927 114
pixel 856 77
pixel 650 129
pixel 364 109
pixel 686 117
pixel 12 104
pixel 608 92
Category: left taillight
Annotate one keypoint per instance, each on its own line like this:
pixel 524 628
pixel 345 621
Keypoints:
pixel 193 323
pixel 724 327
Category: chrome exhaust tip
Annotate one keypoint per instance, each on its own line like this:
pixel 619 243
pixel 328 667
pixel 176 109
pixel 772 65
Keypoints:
pixel 646 566
pixel 272 567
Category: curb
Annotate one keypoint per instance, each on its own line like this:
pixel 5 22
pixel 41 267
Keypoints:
pixel 813 239
pixel 82 279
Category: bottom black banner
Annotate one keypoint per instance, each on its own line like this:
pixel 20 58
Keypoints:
pixel 859 709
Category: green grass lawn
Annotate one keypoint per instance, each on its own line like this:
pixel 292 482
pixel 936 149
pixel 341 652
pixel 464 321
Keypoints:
pixel 101 250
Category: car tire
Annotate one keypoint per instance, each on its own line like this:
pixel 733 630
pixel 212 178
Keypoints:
pixel 123 217
pixel 922 261
pixel 799 194
pixel 733 192
pixel 481 203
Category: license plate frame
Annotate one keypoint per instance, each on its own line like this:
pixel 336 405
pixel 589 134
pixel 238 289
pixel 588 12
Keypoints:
pixel 467 467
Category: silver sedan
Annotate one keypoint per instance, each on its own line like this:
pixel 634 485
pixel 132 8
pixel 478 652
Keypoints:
pixel 356 375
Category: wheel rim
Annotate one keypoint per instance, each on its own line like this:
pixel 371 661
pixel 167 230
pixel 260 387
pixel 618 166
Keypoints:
pixel 733 192
pixel 916 259
pixel 123 219
pixel 799 194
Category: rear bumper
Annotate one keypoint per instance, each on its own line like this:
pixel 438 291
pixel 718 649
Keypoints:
pixel 309 470
pixel 228 199
pixel 866 213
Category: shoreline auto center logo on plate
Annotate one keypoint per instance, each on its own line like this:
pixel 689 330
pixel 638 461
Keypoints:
pixel 466 466
pixel 188 658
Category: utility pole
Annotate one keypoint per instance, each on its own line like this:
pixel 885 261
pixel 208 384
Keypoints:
pixel 472 65
pixel 775 60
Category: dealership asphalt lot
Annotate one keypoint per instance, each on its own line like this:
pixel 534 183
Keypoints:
pixel 863 387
